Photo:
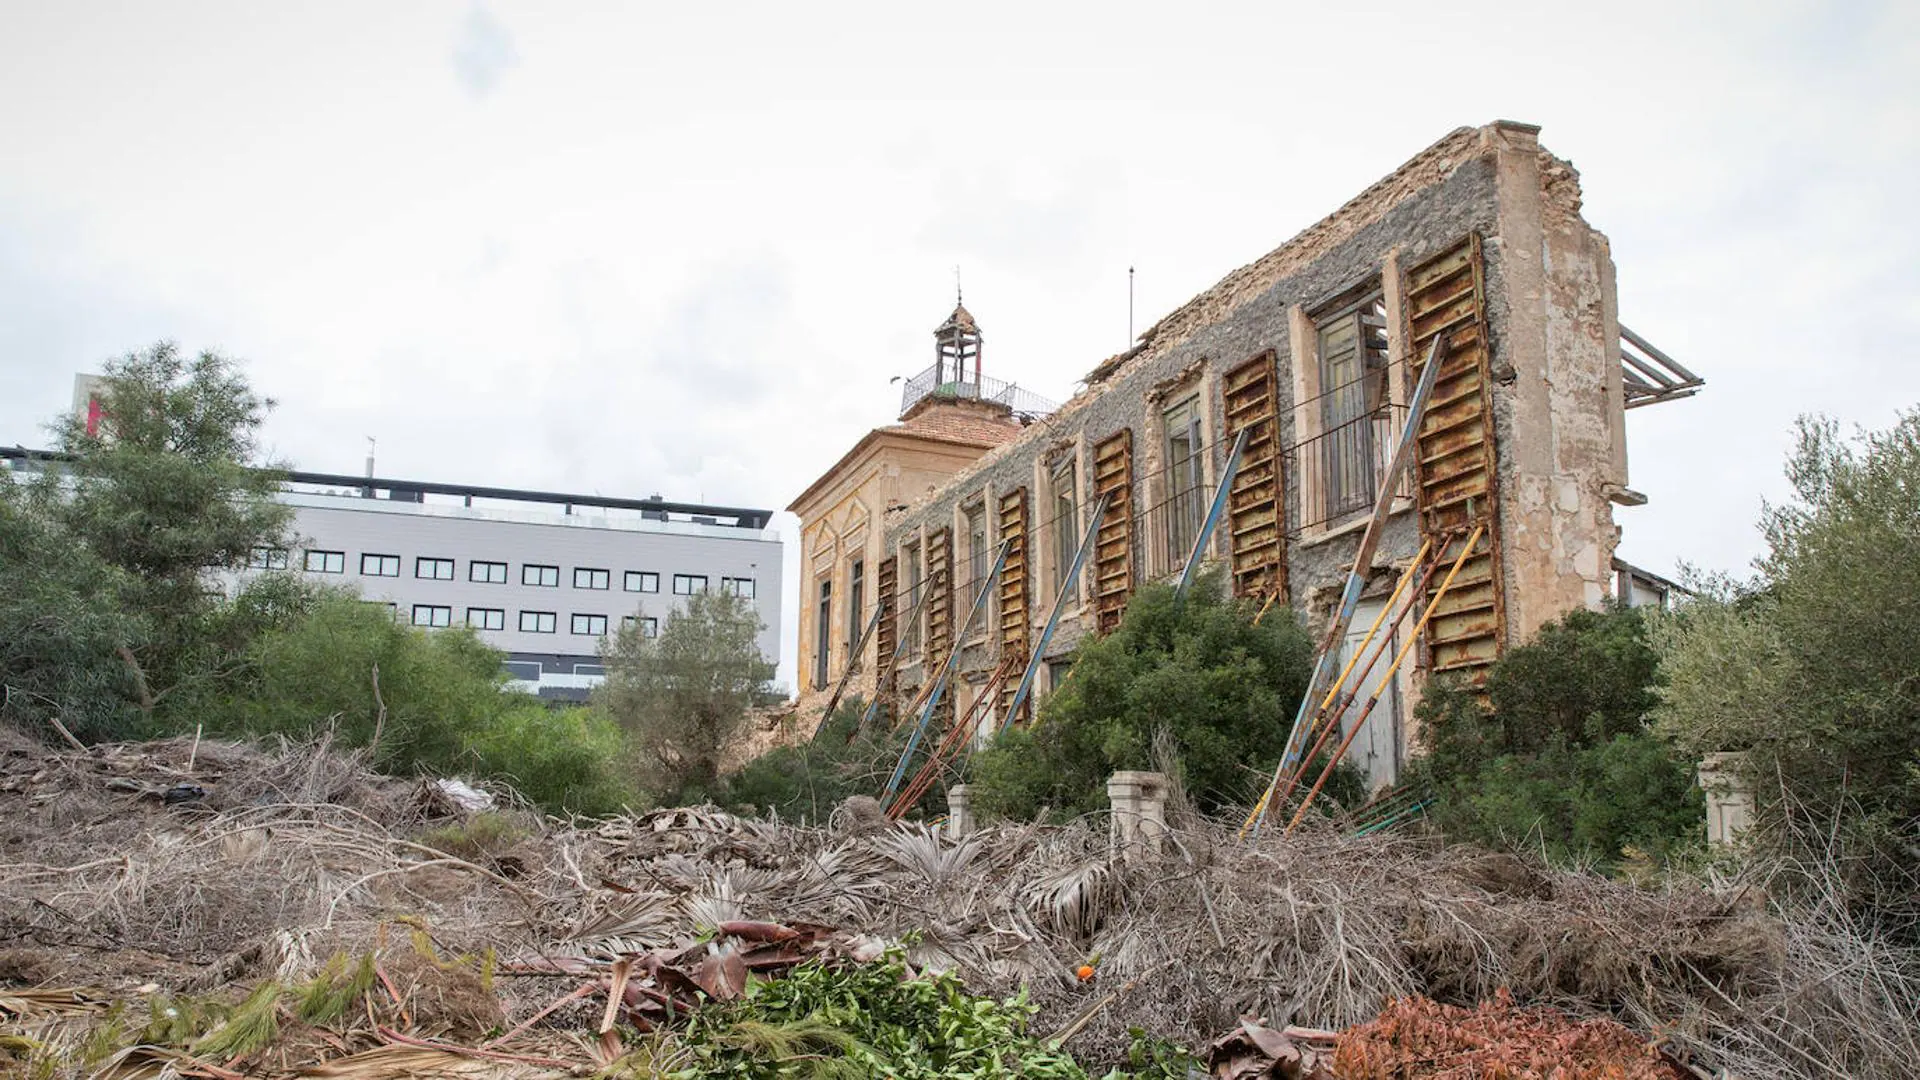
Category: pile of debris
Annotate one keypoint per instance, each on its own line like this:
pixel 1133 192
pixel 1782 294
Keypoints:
pixel 192 871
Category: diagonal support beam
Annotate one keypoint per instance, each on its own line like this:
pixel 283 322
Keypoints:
pixel 899 650
pixel 1326 659
pixel 1213 512
pixel 1053 616
pixel 853 665
pixel 946 673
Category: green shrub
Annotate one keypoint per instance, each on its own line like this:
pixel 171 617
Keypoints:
pixel 564 757
pixel 445 709
pixel 1809 669
pixel 61 627
pixel 1222 688
pixel 1562 760
pixel 809 779
pixel 869 1020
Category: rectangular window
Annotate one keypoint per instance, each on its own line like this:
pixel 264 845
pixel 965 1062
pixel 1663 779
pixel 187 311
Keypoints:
pixel 641 581
pixel 1184 483
pixel 486 618
pixel 856 599
pixel 380 565
pixel 393 609
pixel 823 635
pixel 741 587
pixel 688 584
pixel 1066 520
pixel 911 601
pixel 432 615
pixel 976 549
pixel 599 670
pixel 590 625
pixel 492 573
pixel 326 562
pixel 435 569
pixel 267 558
pixel 1352 350
pixel 535 574
pixel 588 578
pixel 538 622
pixel 649 626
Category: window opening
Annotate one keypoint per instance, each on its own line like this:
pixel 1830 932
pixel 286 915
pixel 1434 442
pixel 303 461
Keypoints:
pixel 1184 481
pixel 1352 344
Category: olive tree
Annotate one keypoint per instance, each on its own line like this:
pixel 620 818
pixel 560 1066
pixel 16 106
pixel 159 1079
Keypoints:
pixel 682 696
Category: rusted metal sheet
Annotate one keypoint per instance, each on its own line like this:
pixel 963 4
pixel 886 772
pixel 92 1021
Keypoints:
pixel 1455 465
pixel 1016 614
pixel 1113 549
pixel 1256 506
pixel 887 634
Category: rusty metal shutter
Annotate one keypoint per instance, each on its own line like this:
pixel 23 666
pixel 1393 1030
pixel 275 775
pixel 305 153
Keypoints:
pixel 1455 462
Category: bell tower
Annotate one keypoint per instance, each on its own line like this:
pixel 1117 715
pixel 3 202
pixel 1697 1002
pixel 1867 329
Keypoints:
pixel 956 346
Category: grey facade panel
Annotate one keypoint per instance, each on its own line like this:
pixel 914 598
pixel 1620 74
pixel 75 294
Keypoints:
pixel 359 526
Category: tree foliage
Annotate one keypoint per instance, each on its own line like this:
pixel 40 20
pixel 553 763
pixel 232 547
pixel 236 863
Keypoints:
pixel 437 707
pixel 1224 689
pixel 682 696
pixel 61 626
pixel 1813 667
pixel 1563 758
pixel 119 618
pixel 170 489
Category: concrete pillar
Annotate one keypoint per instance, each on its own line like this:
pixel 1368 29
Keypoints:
pixel 1729 800
pixel 959 811
pixel 1139 804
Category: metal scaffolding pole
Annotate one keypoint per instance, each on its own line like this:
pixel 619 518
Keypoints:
pixel 946 672
pixel 1053 616
pixel 1213 512
pixel 1362 565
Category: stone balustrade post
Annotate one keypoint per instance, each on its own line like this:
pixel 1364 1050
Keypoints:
pixel 959 811
pixel 1139 804
pixel 1729 799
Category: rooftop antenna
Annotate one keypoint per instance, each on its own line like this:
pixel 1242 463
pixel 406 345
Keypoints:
pixel 368 492
pixel 956 285
pixel 1129 307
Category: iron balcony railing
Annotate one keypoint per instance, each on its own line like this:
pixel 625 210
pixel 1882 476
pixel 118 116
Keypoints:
pixel 1337 473
pixel 938 381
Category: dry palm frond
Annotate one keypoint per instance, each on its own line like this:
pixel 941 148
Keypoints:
pixel 27 1004
pixel 1074 898
pixel 422 1063
pixel 922 850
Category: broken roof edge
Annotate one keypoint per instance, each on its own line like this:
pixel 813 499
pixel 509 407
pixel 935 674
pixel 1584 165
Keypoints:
pixel 1437 162
pixel 1422 170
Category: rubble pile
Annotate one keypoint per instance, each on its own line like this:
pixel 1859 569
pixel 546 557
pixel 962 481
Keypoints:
pixel 188 875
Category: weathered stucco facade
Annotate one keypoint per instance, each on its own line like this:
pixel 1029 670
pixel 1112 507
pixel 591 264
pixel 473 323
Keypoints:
pixel 1313 350
pixel 843 538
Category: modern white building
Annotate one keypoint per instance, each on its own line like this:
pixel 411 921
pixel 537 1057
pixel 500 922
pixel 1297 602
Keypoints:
pixel 541 575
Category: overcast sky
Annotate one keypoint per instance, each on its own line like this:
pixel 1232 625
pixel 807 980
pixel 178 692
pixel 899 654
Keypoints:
pixel 681 248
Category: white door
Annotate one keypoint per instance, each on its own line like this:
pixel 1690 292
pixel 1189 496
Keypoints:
pixel 1376 750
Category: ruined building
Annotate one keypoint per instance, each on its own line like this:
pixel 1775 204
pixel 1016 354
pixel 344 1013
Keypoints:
pixel 1313 351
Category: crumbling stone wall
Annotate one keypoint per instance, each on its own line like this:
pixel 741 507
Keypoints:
pixel 1554 338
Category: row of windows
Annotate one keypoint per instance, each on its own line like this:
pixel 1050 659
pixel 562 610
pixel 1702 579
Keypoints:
pixel 495 573
pixel 531 622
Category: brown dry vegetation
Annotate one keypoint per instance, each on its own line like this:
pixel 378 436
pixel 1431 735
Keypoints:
pixel 296 855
